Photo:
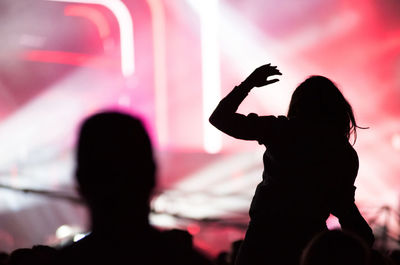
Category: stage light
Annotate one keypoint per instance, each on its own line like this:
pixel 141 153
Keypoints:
pixel 64 231
pixel 69 58
pixel 160 69
pixel 162 220
pixel 79 236
pixel 126 29
pixel 91 14
pixel 209 25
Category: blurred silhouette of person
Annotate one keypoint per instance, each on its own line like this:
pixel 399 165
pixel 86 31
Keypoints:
pixel 309 167
pixel 235 247
pixel 22 256
pixel 37 255
pixel 380 257
pixel 222 258
pixel 116 175
pixel 336 248
pixel 4 257
pixel 395 256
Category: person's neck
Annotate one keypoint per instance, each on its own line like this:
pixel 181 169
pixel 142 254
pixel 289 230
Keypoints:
pixel 119 222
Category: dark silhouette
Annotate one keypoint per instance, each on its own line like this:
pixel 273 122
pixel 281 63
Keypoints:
pixel 336 248
pixel 235 247
pixel 395 256
pixel 222 258
pixel 379 258
pixel 309 167
pixel 37 255
pixel 4 257
pixel 44 254
pixel 22 256
pixel 116 174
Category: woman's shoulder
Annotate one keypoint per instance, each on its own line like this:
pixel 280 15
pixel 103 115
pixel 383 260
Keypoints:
pixel 270 128
pixel 269 118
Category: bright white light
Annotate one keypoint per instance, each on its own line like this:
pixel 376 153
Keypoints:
pixel 239 34
pixel 396 141
pixel 208 13
pixel 125 23
pixel 214 191
pixel 43 131
pixel 205 178
pixel 79 236
pixel 64 231
pixel 162 220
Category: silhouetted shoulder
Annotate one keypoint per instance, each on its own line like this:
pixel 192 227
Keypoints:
pixel 269 128
pixel 150 247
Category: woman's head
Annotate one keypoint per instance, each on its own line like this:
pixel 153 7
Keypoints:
pixel 318 99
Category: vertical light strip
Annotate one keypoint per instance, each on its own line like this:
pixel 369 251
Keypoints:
pixel 210 72
pixel 125 23
pixel 160 72
pixel 209 15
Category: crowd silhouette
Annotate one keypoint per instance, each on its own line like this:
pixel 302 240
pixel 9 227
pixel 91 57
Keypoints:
pixel 309 172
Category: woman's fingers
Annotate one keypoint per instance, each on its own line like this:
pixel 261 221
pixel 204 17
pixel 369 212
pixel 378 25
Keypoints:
pixel 259 76
pixel 267 82
pixel 272 81
pixel 270 69
pixel 274 70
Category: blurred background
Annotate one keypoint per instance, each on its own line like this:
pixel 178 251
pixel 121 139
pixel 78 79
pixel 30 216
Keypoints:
pixel 170 62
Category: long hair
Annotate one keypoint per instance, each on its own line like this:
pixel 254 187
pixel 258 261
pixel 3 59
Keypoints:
pixel 318 99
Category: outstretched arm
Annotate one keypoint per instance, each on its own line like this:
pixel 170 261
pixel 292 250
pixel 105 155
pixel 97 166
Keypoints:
pixel 238 125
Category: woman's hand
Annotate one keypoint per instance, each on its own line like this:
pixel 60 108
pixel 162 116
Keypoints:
pixel 258 77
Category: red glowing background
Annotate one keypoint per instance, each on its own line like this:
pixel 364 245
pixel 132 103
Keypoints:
pixel 170 62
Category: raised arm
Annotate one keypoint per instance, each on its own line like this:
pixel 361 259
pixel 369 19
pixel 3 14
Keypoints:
pixel 238 125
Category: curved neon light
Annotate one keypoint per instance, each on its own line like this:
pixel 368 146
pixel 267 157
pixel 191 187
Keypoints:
pixel 125 23
pixel 70 58
pixel 91 14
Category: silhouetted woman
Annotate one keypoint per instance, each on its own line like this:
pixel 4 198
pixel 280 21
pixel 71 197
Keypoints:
pixel 309 167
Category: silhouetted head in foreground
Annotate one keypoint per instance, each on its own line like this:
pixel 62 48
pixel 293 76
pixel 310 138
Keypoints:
pixel 319 100
pixel 116 175
pixel 115 168
pixel 336 247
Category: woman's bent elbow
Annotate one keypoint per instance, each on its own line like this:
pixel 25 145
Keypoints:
pixel 212 119
pixel 216 121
